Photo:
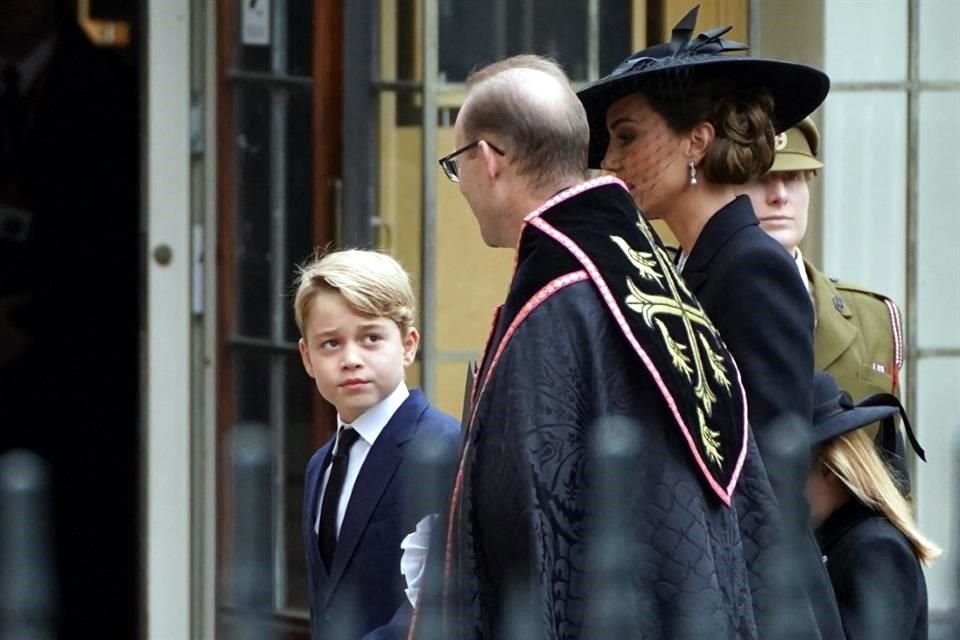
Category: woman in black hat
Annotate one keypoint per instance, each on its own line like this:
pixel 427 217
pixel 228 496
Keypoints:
pixel 684 125
pixel 871 544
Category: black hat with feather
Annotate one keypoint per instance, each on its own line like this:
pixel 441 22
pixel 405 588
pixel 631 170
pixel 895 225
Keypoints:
pixel 685 61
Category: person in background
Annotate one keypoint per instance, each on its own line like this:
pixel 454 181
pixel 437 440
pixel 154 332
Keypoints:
pixel 355 310
pixel 872 547
pixel 859 334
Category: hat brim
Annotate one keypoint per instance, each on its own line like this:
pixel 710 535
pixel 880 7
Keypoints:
pixel 796 89
pixel 794 162
pixel 849 420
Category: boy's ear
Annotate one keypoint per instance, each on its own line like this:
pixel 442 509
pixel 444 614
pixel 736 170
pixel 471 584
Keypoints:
pixel 305 356
pixel 411 342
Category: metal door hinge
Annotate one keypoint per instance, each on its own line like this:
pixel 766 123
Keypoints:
pixel 197 127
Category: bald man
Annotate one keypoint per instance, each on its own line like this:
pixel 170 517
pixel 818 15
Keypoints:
pixel 596 324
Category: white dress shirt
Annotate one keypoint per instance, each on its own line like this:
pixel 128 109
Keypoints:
pixel 802 268
pixel 368 426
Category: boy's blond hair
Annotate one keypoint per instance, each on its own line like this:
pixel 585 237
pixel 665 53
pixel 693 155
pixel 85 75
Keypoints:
pixel 372 283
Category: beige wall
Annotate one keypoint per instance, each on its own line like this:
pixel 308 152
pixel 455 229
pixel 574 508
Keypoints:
pixel 713 13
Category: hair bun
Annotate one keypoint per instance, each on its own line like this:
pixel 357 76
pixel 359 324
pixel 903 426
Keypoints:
pixel 743 148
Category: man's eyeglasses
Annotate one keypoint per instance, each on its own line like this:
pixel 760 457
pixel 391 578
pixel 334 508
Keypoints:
pixel 449 162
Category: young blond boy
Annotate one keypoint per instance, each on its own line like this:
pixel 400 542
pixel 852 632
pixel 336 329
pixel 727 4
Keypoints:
pixel 355 311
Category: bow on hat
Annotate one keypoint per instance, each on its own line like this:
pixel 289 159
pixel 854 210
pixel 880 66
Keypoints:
pixel 687 62
pixel 680 45
pixel 835 413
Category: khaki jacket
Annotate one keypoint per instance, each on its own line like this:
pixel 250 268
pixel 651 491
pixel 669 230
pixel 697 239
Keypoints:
pixel 858 336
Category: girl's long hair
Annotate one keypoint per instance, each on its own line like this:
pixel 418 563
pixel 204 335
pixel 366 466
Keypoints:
pixel 854 459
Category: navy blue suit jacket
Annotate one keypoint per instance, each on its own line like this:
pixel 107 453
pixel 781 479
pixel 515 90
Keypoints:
pixel 364 588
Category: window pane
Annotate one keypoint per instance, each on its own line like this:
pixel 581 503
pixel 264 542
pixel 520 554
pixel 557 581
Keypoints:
pixel 935 420
pixel 866 40
pixel 473 33
pixel 939 42
pixel 257 294
pixel 251 380
pixel 864 190
pixel 299 186
pixel 297 39
pixel 253 211
pixel 298 447
pixel 938 251
pixel 253 57
pixel 614 33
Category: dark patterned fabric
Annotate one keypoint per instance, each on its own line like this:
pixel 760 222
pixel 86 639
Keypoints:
pixel 662 320
pixel 698 568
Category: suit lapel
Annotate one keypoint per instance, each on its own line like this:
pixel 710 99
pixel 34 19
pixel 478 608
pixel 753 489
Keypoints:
pixel 727 221
pixel 834 333
pixel 377 472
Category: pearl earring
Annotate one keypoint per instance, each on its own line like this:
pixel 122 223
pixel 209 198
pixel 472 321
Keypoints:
pixel 693 174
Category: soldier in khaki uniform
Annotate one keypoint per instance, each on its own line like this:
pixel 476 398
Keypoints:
pixel 859 334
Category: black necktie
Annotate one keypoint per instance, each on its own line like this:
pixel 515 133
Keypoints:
pixel 327 534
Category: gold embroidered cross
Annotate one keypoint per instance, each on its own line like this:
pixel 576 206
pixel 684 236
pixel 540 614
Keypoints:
pixel 697 328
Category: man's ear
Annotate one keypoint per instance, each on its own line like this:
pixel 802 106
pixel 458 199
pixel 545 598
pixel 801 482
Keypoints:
pixel 698 141
pixel 492 161
pixel 305 357
pixel 411 342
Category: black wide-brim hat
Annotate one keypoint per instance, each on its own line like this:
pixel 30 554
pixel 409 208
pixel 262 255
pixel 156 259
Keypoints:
pixel 835 413
pixel 796 89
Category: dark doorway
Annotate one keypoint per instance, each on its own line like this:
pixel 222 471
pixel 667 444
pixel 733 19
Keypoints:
pixel 70 291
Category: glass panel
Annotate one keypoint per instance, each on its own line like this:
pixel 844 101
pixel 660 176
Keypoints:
pixel 939 43
pixel 473 33
pixel 938 252
pixel 614 33
pixel 253 211
pixel 864 192
pixel 253 57
pixel 253 241
pixel 298 445
pixel 937 426
pixel 874 32
pixel 298 17
pixel 299 37
pixel 398 145
pixel 251 380
pixel 273 231
pixel 400 199
pixel 299 186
